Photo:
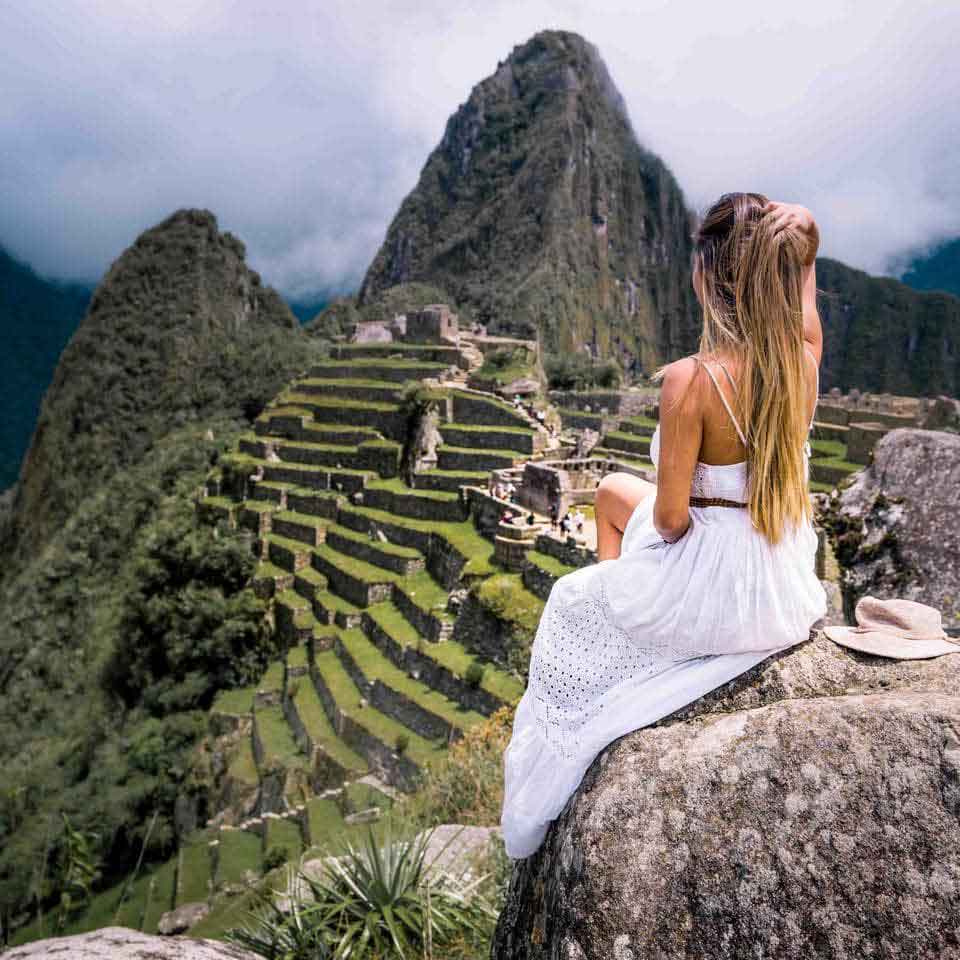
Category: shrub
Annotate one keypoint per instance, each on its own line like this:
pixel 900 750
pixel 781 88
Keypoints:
pixel 373 901
pixel 467 785
pixel 275 857
pixel 474 675
pixel 580 372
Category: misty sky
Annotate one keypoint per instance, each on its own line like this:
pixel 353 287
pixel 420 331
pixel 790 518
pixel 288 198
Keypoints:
pixel 302 125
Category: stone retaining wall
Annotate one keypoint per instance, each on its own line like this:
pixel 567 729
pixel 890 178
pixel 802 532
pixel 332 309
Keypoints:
pixel 371 552
pixel 411 505
pixel 491 439
pixel 393 703
pixel 572 554
pixel 479 409
pixel 396 769
pixel 450 458
pixel 356 591
pixel 537 580
pixel 433 674
pixel 425 623
pixel 862 438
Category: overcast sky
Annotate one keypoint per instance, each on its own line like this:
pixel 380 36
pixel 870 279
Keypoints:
pixel 303 123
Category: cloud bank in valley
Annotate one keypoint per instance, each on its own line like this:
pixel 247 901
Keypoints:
pixel 303 125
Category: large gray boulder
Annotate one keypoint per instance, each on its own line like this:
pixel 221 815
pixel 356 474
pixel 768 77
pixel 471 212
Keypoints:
pixel 810 808
pixel 120 943
pixel 896 528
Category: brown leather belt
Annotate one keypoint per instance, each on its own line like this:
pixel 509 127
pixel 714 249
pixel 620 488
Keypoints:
pixel 715 502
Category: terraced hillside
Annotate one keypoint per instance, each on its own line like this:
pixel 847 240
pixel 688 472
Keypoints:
pixel 360 568
pixel 627 438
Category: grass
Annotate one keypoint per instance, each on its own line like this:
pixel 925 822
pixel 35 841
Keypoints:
pixel 828 448
pixel 392 549
pixel 283 832
pixel 463 536
pixel 276 736
pixel 485 452
pixel 374 665
pixel 242 766
pixel 549 564
pixel 360 363
pixel 449 654
pixel 236 702
pixel 385 729
pixel 321 731
pixel 396 485
pixel 239 851
pixel 313 400
pixel 335 604
pixel 480 428
pixel 505 596
pixel 193 877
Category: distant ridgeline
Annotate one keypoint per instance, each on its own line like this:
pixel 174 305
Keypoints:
pixel 937 270
pixel 37 317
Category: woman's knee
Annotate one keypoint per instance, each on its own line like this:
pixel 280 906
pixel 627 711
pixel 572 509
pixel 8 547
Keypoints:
pixel 618 493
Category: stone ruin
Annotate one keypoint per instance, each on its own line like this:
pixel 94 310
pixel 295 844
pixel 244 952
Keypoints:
pixel 567 483
pixel 433 324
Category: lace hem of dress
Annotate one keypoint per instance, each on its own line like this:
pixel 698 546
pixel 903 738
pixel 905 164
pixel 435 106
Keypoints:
pixel 580 656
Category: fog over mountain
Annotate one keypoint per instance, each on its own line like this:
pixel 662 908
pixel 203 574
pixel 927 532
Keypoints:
pixel 304 131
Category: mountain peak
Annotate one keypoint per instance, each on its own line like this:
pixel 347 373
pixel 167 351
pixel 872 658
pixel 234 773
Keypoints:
pixel 540 213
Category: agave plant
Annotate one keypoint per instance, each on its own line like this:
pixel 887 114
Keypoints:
pixel 379 898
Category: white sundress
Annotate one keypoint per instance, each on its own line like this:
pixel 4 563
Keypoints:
pixel 625 642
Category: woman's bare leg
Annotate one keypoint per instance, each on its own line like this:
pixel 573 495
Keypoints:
pixel 617 496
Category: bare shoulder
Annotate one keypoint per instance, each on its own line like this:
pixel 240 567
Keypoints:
pixel 680 380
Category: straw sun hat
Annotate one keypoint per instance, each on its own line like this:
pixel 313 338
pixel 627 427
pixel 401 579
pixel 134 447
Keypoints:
pixel 901 629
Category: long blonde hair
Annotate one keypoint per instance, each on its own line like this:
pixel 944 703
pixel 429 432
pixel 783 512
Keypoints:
pixel 751 284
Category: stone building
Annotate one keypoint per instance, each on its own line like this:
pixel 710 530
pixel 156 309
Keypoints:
pixel 433 324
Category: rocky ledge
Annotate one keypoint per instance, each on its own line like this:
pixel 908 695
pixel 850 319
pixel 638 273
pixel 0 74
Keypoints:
pixel 120 943
pixel 810 808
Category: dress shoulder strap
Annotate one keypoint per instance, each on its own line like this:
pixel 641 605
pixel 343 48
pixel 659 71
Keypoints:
pixel 816 395
pixel 726 405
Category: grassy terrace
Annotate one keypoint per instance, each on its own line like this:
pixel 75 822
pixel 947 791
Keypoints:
pixel 276 736
pixel 396 485
pixel 193 875
pixel 377 363
pixel 236 702
pixel 832 449
pixel 311 402
pixel 549 564
pixel 392 549
pixel 463 537
pixel 238 852
pixel 375 666
pixel 344 691
pixel 242 766
pixel 321 731
pixel 334 604
pixel 481 428
pixel 449 654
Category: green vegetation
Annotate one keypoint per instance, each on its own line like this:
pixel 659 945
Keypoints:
pixel 578 371
pixel 376 899
pixel 502 367
pixel 118 638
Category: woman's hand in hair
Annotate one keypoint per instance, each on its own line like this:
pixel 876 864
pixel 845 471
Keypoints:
pixel 797 217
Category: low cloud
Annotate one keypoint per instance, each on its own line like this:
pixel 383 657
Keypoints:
pixel 303 126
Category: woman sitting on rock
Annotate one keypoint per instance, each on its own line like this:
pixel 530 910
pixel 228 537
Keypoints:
pixel 706 573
